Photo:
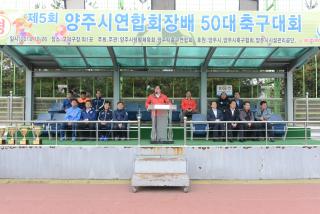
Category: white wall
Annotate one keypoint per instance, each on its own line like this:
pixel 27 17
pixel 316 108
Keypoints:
pixel 101 162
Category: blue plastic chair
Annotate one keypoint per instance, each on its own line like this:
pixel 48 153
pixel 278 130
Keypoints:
pixel 55 127
pixel 199 129
pixel 279 129
pixel 176 115
pixel 132 110
pixel 56 107
pixel 40 121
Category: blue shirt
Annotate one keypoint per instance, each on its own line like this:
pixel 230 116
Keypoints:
pixel 88 115
pixel 73 114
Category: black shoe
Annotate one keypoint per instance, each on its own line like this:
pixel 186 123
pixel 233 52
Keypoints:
pixel 271 140
pixel 230 141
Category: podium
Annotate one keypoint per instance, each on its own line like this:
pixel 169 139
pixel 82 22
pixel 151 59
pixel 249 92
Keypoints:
pixel 161 115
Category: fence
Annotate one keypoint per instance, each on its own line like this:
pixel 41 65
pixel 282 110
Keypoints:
pixel 195 133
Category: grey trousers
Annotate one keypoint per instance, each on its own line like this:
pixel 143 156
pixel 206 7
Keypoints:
pixel 159 126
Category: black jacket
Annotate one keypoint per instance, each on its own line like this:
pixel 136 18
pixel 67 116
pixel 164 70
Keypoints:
pixel 212 117
pixel 229 117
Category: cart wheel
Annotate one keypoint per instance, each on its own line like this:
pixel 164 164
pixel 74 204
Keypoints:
pixel 186 189
pixel 134 189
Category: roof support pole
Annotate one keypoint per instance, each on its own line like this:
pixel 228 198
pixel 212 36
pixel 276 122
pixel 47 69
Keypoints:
pixel 116 87
pixel 28 102
pixel 203 91
pixel 289 95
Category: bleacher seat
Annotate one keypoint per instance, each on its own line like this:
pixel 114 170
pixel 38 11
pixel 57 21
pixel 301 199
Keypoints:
pixel 40 121
pixel 199 129
pixel 55 127
pixel 56 107
pixel 279 129
pixel 145 115
pixel 132 110
pixel 176 116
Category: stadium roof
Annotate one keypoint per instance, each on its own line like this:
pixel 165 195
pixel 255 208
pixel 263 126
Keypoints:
pixel 134 57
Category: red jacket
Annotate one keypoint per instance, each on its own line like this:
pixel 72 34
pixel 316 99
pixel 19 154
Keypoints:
pixel 152 99
pixel 188 104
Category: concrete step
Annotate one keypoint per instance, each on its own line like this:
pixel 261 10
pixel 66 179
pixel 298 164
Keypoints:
pixel 158 164
pixel 158 179
pixel 161 151
pixel 160 171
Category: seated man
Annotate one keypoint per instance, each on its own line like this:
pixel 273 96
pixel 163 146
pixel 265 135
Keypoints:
pixel 263 114
pixel 232 114
pixel 88 130
pixel 105 127
pixel 188 106
pixel 247 129
pixel 120 129
pixel 72 114
pixel 214 114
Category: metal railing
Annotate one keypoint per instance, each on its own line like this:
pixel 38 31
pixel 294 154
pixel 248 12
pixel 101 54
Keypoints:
pixel 306 108
pixel 11 108
pixel 261 133
pixel 58 131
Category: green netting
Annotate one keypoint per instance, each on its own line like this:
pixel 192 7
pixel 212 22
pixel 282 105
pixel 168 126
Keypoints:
pixel 99 62
pixel 195 52
pixel 256 52
pixel 31 50
pixel 128 51
pixel 64 51
pixel 71 62
pixel 189 62
pixel 226 52
pixel 95 51
pixel 288 52
pixel 221 62
pixel 223 57
pixel 160 62
pixel 131 62
pixel 161 51
pixel 248 63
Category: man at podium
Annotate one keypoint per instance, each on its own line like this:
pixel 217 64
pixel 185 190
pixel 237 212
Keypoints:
pixel 160 107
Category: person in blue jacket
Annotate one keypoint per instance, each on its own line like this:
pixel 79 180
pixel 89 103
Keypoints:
pixel 72 114
pixel 104 127
pixel 98 102
pixel 120 128
pixel 88 130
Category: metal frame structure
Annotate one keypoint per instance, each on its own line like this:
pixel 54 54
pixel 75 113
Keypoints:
pixel 47 66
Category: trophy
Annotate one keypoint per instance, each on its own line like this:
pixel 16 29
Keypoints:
pixel 37 132
pixel 24 132
pixel 2 131
pixel 11 131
